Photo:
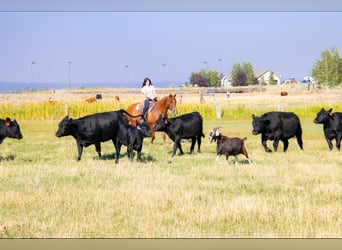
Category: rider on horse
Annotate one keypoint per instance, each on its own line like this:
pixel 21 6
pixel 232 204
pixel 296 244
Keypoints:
pixel 150 95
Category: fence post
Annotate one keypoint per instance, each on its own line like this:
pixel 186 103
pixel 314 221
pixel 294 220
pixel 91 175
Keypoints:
pixel 218 110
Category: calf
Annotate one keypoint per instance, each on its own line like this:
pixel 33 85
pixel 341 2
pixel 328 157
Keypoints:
pixel 332 126
pixel 228 146
pixel 92 129
pixel 132 137
pixel 9 129
pixel 187 126
pixel 277 126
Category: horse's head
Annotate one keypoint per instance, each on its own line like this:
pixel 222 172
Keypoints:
pixel 172 104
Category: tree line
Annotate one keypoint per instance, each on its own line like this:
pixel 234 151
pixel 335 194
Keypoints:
pixel 326 71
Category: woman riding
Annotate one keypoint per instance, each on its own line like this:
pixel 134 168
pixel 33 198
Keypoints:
pixel 150 95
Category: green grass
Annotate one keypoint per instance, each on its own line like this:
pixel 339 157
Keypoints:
pixel 44 192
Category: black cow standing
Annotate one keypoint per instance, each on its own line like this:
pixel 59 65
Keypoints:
pixel 332 126
pixel 187 126
pixel 92 129
pixel 277 126
pixel 9 129
pixel 132 137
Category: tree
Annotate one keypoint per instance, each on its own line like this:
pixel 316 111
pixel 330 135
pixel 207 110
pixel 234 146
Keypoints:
pixel 328 70
pixel 247 68
pixel 242 75
pixel 213 79
pixel 197 79
pixel 204 79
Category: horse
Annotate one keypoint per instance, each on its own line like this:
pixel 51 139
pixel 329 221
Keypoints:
pixel 159 108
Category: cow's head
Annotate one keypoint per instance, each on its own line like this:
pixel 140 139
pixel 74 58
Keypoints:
pixel 161 123
pixel 13 129
pixel 259 124
pixel 144 129
pixel 323 116
pixel 65 127
pixel 214 134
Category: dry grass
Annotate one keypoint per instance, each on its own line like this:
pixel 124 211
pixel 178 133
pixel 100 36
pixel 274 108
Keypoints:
pixel 44 192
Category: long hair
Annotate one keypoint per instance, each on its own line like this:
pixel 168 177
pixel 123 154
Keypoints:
pixel 145 80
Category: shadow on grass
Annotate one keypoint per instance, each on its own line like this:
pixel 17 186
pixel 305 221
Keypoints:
pixel 7 158
pixel 144 158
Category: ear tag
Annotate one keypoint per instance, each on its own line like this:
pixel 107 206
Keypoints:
pixel 165 121
pixel 330 114
pixel 8 123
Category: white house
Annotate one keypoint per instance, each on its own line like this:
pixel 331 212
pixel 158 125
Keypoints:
pixel 263 77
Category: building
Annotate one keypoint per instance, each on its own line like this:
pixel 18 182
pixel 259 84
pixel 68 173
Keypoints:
pixel 263 77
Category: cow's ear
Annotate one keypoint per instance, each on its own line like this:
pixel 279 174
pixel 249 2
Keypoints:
pixel 8 122
pixel 253 116
pixel 217 133
pixel 165 121
pixel 267 122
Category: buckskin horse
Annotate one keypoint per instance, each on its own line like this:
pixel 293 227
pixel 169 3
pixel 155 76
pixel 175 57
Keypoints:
pixel 159 108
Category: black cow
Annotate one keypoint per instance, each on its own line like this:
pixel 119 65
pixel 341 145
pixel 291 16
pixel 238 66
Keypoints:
pixel 277 126
pixel 132 137
pixel 9 129
pixel 92 129
pixel 187 126
pixel 332 126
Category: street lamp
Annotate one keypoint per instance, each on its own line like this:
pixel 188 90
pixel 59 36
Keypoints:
pixel 70 62
pixel 164 65
pixel 206 65
pixel 127 67
pixel 220 60
pixel 32 74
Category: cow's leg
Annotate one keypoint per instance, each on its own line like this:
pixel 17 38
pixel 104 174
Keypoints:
pixel 117 153
pixel 263 143
pixel 176 145
pixel 80 150
pixel 286 144
pixel 338 142
pixel 98 149
pixel 275 144
pixel 193 142
pixel 130 152
pixel 199 141
pixel 299 140
pixel 329 143
pixel 139 155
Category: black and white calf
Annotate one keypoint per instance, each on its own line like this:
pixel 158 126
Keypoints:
pixel 228 146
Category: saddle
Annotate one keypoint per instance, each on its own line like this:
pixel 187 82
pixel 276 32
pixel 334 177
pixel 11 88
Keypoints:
pixel 140 107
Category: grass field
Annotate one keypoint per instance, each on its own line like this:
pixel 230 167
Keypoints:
pixel 45 193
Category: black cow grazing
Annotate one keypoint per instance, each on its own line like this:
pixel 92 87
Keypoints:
pixel 228 146
pixel 187 126
pixel 277 126
pixel 9 129
pixel 132 137
pixel 332 126
pixel 92 129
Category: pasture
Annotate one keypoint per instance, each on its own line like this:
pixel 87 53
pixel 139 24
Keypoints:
pixel 45 193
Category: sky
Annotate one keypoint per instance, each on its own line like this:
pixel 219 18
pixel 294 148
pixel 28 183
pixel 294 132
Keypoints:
pixel 128 46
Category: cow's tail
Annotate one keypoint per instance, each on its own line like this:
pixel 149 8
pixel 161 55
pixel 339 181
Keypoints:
pixel 122 111
pixel 203 135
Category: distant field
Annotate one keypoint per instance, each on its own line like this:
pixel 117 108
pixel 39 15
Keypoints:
pixel 45 193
